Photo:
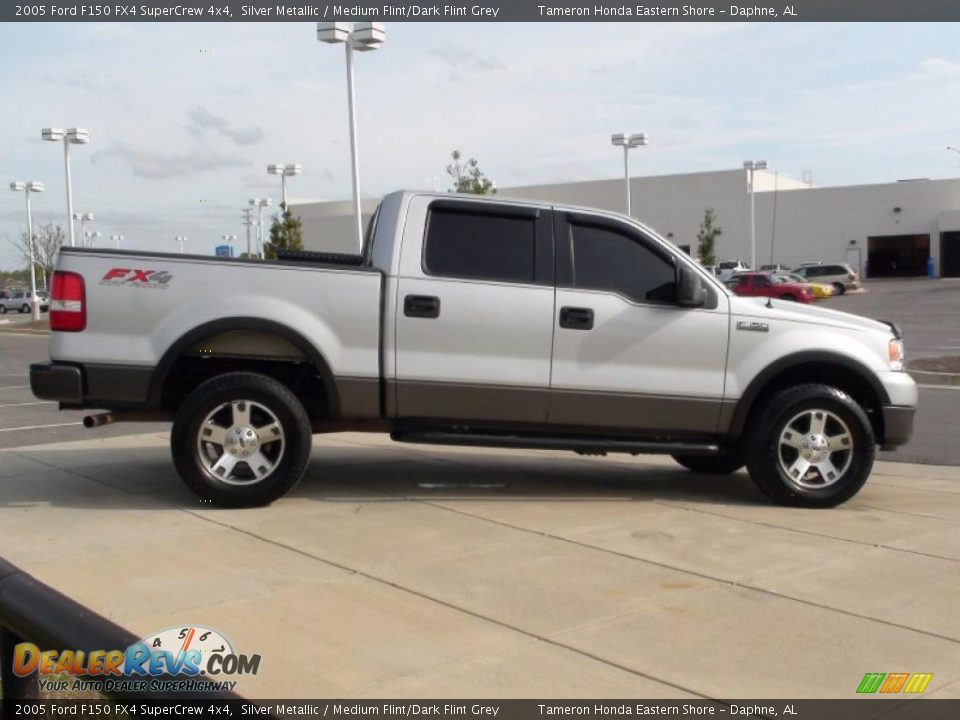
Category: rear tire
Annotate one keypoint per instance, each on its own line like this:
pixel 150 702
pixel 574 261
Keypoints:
pixel 24 308
pixel 722 464
pixel 241 440
pixel 839 288
pixel 3 309
pixel 810 446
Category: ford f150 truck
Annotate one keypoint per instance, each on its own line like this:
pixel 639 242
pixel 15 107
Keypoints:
pixel 474 321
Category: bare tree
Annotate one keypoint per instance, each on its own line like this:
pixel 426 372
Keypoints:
pixel 47 241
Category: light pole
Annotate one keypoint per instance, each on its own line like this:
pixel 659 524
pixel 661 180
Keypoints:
pixel 84 218
pixel 90 237
pixel 117 239
pixel 752 166
pixel 628 142
pixel 180 239
pixel 248 223
pixel 27 188
pixel 73 136
pixel 284 171
pixel 260 204
pixel 362 37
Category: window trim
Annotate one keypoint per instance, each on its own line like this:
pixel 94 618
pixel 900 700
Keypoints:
pixel 543 239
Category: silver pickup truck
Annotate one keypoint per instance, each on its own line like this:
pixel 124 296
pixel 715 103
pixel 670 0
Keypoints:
pixel 474 321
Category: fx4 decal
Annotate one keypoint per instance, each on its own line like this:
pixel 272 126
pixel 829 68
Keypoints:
pixel 128 277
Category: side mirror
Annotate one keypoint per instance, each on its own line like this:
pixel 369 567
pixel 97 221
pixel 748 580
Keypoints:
pixel 690 290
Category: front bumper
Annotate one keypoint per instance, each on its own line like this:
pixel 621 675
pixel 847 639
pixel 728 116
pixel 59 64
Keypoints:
pixel 63 383
pixel 897 426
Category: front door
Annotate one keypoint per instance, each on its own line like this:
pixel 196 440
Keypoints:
pixel 626 356
pixel 474 313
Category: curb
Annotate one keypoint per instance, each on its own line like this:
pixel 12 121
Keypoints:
pixel 925 377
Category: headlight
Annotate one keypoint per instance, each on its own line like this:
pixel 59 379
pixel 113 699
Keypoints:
pixel 895 355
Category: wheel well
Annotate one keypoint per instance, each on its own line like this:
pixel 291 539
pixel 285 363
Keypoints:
pixel 835 375
pixel 285 357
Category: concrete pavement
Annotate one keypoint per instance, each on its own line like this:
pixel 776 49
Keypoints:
pixel 406 571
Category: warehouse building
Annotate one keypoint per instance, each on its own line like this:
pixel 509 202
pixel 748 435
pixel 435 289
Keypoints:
pixel 883 230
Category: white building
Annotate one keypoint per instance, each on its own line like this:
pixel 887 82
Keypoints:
pixel 885 230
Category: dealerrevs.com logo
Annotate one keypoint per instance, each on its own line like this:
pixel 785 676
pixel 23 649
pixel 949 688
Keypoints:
pixel 129 277
pixel 180 659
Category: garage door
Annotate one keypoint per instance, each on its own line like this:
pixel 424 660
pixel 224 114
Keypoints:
pixel 950 254
pixel 897 255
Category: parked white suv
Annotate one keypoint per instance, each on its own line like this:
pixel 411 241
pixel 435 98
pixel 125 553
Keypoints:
pixel 21 301
pixel 474 321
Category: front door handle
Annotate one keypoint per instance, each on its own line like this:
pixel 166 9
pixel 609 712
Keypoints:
pixel 422 306
pixel 574 318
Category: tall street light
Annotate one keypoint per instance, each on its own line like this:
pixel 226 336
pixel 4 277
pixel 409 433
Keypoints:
pixel 752 166
pixel 248 223
pixel 181 239
pixel 27 188
pixel 73 136
pixel 117 239
pixel 363 37
pixel 84 218
pixel 284 171
pixel 628 142
pixel 260 204
pixel 90 238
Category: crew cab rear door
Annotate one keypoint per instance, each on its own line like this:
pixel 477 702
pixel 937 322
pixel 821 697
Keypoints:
pixel 626 355
pixel 474 313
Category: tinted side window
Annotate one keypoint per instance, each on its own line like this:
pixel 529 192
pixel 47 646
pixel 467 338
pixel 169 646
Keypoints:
pixel 604 259
pixel 474 245
pixel 834 270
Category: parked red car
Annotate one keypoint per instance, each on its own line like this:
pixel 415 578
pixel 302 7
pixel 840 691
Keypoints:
pixel 766 285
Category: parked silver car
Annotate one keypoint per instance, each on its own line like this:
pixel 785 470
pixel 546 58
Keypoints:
pixel 21 301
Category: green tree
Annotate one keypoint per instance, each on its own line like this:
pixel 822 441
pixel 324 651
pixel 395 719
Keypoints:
pixel 707 238
pixel 467 176
pixel 286 233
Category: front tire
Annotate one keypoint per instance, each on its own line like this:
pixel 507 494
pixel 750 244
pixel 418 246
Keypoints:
pixel 811 446
pixel 3 309
pixel 241 440
pixel 839 288
pixel 723 464
pixel 24 308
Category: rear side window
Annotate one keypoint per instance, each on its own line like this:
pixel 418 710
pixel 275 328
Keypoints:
pixel 604 259
pixel 482 246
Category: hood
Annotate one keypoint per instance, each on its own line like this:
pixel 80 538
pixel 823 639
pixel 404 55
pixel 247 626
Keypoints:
pixel 756 307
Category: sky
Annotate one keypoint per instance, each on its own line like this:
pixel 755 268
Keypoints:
pixel 185 117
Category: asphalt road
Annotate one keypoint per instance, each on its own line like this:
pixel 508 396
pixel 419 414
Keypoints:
pixel 24 420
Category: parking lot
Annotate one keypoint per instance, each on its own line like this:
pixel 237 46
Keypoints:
pixel 409 571
pixel 404 571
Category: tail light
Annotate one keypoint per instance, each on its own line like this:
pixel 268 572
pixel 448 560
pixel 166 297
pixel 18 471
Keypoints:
pixel 68 302
pixel 851 277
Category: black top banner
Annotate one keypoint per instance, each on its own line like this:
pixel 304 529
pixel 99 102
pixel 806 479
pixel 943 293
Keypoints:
pixel 484 11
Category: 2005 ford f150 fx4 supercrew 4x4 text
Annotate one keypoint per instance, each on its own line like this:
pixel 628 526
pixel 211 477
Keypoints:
pixel 474 321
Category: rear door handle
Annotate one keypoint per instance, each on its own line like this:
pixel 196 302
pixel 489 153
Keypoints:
pixel 422 306
pixel 574 318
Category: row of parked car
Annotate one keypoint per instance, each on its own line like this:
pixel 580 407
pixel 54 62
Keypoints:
pixel 806 283
pixel 21 301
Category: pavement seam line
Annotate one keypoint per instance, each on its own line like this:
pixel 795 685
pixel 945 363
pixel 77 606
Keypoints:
pixel 760 523
pixel 619 467
pixel 696 573
pixel 456 608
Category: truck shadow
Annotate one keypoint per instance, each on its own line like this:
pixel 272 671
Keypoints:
pixel 144 478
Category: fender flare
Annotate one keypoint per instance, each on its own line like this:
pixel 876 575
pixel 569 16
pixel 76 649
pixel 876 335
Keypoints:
pixel 746 401
pixel 173 353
